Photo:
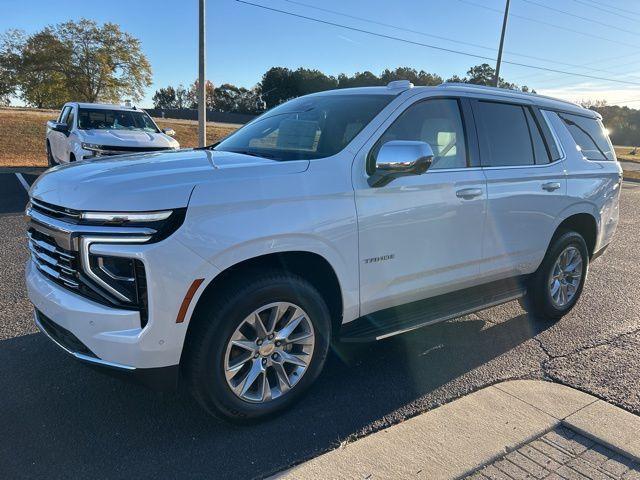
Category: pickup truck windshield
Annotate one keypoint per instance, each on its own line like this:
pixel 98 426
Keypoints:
pixel 102 119
pixel 307 127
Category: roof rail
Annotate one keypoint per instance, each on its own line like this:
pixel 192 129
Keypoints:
pixel 505 91
pixel 400 84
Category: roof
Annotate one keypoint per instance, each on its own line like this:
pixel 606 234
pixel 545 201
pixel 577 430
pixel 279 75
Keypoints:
pixel 400 86
pixel 100 106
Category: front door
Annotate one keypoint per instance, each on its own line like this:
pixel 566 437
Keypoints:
pixel 58 140
pixel 421 235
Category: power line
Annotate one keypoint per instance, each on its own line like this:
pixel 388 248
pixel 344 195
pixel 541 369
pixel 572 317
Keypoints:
pixel 595 6
pixel 426 45
pixel 586 19
pixel 396 27
pixel 614 7
pixel 559 27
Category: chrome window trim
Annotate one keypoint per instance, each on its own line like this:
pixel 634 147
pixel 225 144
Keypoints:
pixel 545 115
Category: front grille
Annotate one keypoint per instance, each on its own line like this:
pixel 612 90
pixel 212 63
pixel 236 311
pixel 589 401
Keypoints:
pixel 56 263
pixel 111 148
pixel 50 210
pixel 54 243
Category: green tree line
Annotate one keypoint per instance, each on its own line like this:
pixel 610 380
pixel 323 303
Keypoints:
pixel 279 84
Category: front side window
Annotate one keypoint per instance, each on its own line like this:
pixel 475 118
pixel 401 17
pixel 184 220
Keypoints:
pixel 64 114
pixel 104 119
pixel 437 122
pixel 306 128
pixel 590 136
pixel 70 118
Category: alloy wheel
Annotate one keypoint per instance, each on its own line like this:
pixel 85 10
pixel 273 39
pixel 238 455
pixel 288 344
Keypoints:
pixel 269 352
pixel 565 276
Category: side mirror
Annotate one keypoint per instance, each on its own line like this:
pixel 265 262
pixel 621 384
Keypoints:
pixel 169 131
pixel 58 127
pixel 399 158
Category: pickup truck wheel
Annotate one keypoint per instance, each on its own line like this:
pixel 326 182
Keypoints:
pixel 258 347
pixel 50 160
pixel 557 284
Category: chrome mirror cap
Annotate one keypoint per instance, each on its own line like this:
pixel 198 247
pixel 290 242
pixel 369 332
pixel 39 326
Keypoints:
pixel 399 158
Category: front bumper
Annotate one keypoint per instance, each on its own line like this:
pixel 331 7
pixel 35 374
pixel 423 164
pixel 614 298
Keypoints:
pixel 163 378
pixel 93 333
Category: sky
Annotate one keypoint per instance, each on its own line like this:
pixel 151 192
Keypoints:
pixel 598 38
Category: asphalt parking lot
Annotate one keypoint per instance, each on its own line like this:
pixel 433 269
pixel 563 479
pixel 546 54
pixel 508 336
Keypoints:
pixel 62 419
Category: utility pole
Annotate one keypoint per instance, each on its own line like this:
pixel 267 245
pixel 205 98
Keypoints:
pixel 504 31
pixel 202 95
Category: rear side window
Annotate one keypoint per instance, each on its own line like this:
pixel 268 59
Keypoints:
pixel 590 136
pixel 505 135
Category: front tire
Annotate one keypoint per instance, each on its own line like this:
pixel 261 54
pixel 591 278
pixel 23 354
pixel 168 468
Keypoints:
pixel 50 160
pixel 555 287
pixel 257 346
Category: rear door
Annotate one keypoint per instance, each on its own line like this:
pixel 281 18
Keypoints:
pixel 420 235
pixel 526 186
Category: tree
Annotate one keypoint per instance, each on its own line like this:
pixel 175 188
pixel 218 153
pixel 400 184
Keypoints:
pixel 39 74
pixel 209 90
pixel 484 75
pixel 165 98
pixel 73 61
pixel 10 46
pixel 420 78
pixel 184 97
pixel 103 62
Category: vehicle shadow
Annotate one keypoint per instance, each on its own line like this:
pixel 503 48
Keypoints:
pixel 61 419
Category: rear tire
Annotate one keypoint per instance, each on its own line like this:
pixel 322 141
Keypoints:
pixel 555 287
pixel 228 319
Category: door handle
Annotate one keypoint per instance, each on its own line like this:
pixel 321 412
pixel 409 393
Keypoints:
pixel 551 186
pixel 469 193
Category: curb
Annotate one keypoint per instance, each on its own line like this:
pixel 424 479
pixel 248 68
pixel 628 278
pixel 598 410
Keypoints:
pixel 460 437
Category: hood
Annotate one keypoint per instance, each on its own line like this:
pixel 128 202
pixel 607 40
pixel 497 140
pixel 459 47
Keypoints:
pixel 148 181
pixel 127 138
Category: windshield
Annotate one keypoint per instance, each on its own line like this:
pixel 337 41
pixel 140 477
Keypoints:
pixel 102 119
pixel 307 127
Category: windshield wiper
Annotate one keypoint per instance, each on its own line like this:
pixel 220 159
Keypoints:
pixel 207 147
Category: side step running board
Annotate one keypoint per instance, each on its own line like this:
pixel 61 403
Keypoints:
pixel 396 320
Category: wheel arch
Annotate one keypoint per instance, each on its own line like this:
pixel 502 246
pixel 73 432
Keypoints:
pixel 583 223
pixel 311 266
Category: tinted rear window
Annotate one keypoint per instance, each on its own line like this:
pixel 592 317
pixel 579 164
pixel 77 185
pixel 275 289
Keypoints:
pixel 590 135
pixel 506 135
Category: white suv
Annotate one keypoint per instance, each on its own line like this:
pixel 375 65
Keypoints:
pixel 91 130
pixel 353 214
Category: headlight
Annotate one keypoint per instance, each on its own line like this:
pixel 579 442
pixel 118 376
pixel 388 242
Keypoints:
pixel 94 147
pixel 117 276
pixel 122 218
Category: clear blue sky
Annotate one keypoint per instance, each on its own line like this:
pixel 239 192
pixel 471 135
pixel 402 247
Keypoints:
pixel 244 41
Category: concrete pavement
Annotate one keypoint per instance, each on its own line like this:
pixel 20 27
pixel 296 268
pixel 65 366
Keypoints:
pixel 461 437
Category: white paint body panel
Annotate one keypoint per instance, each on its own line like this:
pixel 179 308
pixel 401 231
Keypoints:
pixel 242 207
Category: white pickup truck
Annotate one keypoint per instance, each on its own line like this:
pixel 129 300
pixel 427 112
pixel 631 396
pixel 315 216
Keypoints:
pixel 353 214
pixel 91 130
